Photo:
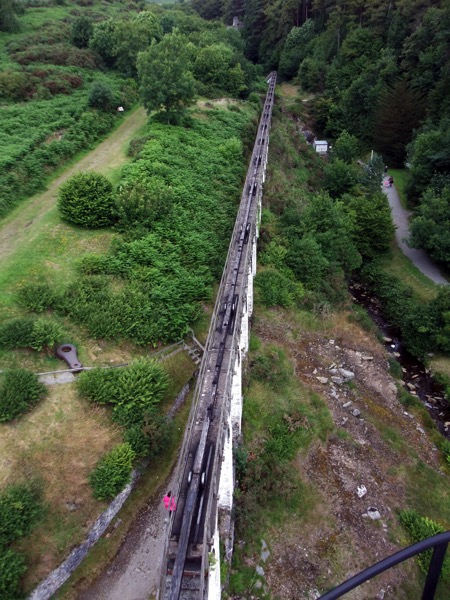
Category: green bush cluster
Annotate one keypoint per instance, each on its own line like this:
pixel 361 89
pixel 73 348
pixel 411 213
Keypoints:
pixel 87 200
pixel 20 390
pixel 36 297
pixel 133 391
pixel 424 327
pixel 175 206
pixel 145 310
pixel 112 472
pixel 20 507
pixel 29 332
pixel 419 528
pixel 277 289
pixel 12 567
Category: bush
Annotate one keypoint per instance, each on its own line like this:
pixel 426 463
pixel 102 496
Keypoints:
pixel 19 391
pixel 36 297
pixel 112 472
pixel 158 430
pixel 99 385
pixel 46 334
pixel 134 391
pixel 137 439
pixel 271 366
pixel 81 33
pixel 101 96
pixel 275 289
pixel 143 202
pixel 20 506
pixel 17 333
pixel 12 567
pixel 420 528
pixel 87 200
pixel 27 332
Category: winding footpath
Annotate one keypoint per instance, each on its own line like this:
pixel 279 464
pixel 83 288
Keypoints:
pixel 419 258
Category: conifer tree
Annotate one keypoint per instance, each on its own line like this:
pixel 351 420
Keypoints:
pixel 400 110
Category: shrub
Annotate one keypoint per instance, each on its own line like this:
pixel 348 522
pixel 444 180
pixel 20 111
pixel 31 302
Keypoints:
pixel 27 332
pixel 17 333
pixel 12 567
pixel 137 440
pixel 87 200
pixel 36 297
pixel 158 431
pixel 112 472
pixel 275 289
pixel 134 391
pixel 81 32
pixel 420 528
pixel 19 391
pixel 101 96
pixel 143 202
pixel 20 506
pixel 46 334
pixel 99 385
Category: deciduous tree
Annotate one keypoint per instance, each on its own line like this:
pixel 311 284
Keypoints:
pixel 166 80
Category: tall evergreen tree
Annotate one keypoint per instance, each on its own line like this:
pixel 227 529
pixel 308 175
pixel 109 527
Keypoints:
pixel 400 110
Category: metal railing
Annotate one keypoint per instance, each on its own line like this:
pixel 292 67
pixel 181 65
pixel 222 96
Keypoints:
pixel 438 542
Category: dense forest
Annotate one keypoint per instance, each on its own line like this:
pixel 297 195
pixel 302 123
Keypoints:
pixel 380 70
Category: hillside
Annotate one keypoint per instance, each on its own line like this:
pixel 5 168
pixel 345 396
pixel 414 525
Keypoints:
pixel 326 412
pixel 121 256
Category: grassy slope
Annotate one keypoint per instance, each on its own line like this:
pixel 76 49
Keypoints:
pixel 60 441
pixel 36 245
pixel 29 126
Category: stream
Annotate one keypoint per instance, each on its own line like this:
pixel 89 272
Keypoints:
pixel 416 377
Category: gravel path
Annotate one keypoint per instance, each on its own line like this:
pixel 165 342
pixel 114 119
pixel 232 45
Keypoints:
pixel 418 257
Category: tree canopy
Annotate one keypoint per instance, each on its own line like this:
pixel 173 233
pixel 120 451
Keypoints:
pixel 165 74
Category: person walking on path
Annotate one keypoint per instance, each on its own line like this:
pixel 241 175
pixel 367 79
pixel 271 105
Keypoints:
pixel 401 218
pixel 169 502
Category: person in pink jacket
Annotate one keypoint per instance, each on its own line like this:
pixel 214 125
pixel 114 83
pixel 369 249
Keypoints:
pixel 169 502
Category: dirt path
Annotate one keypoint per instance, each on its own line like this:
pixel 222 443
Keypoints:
pixel 24 223
pixel 418 257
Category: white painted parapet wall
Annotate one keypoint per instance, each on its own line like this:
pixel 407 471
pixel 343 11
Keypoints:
pixel 225 524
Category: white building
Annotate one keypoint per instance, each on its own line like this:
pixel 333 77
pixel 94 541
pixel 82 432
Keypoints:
pixel 320 146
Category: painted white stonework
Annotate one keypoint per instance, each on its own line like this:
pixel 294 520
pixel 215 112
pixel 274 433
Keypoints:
pixel 226 484
pixel 243 342
pixel 214 591
pixel 236 398
pixel 250 293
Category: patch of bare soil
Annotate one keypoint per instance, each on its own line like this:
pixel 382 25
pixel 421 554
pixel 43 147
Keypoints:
pixel 373 441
